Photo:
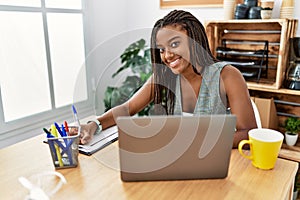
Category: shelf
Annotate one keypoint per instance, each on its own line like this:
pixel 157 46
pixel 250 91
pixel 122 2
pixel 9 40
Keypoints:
pixel 248 35
pixel 250 69
pixel 290 152
pixel 241 52
pixel 266 88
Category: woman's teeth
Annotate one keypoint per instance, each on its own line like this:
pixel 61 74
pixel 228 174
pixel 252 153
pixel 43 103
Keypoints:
pixel 174 63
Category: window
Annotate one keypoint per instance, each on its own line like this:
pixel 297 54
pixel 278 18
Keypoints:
pixel 42 64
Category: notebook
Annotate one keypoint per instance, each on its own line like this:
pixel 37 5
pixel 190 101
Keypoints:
pixel 175 147
pixel 100 140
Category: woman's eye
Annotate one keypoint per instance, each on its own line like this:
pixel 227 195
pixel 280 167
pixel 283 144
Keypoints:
pixel 161 50
pixel 174 44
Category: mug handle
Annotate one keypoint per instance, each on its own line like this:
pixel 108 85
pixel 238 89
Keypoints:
pixel 241 144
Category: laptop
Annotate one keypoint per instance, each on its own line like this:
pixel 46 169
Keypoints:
pixel 157 148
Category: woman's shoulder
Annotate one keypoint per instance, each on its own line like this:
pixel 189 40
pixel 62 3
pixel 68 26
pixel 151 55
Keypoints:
pixel 232 76
pixel 218 66
pixel 230 71
pixel 224 67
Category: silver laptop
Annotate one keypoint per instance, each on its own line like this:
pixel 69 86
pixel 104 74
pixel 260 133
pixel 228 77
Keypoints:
pixel 175 147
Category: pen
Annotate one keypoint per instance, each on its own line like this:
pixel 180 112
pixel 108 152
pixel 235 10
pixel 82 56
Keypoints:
pixel 68 145
pixel 75 115
pixel 54 132
pixel 59 130
pixel 62 133
pixel 63 129
pixel 66 127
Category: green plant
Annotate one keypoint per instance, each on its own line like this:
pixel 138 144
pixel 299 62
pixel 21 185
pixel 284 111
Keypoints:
pixel 292 125
pixel 136 57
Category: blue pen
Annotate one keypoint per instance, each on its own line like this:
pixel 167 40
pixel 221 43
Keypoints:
pixel 64 130
pixel 61 133
pixel 68 146
pixel 59 130
pixel 76 119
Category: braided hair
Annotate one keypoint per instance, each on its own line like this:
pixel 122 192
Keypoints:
pixel 200 55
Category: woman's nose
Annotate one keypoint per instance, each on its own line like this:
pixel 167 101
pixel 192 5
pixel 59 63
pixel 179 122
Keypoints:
pixel 169 54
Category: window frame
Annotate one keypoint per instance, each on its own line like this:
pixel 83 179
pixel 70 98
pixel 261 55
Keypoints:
pixel 23 128
pixel 190 3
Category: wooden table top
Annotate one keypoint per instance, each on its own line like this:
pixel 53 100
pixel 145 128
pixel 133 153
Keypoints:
pixel 98 177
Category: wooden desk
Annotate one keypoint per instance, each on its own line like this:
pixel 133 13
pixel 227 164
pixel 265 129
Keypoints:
pixel 94 180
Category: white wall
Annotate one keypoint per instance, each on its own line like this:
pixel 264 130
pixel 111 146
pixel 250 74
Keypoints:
pixel 115 24
pixel 149 11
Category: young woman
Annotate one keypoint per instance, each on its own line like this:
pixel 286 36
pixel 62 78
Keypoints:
pixel 186 80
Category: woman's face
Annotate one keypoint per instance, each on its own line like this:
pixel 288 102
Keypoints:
pixel 172 41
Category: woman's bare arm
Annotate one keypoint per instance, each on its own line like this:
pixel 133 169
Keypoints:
pixel 135 104
pixel 239 102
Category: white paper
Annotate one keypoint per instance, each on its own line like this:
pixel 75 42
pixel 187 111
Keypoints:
pixel 100 140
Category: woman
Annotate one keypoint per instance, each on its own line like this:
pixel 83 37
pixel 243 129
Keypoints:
pixel 186 79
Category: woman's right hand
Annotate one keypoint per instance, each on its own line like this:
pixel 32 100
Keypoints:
pixel 86 133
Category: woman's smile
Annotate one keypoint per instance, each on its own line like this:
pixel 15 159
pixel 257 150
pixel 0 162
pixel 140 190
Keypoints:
pixel 174 63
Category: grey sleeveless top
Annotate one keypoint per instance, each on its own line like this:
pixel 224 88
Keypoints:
pixel 209 100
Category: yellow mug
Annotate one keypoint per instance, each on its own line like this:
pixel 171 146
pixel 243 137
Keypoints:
pixel 265 145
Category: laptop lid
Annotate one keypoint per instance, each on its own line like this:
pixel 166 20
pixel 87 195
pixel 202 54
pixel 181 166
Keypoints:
pixel 175 147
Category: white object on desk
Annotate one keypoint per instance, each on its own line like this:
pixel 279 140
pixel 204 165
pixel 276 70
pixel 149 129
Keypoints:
pixel 100 140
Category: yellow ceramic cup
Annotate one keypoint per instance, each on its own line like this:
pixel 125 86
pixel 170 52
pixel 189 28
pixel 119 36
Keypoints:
pixel 265 145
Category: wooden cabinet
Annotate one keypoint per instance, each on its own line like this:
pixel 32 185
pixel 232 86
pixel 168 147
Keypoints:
pixel 253 36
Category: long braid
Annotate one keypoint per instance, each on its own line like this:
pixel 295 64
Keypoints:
pixel 200 55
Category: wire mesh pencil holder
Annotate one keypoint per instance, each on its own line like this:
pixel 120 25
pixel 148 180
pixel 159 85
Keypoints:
pixel 64 151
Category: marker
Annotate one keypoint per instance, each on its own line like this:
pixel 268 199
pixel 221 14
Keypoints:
pixel 49 135
pixel 54 132
pixel 75 115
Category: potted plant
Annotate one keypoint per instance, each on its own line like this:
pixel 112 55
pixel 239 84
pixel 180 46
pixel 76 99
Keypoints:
pixel 292 128
pixel 136 57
